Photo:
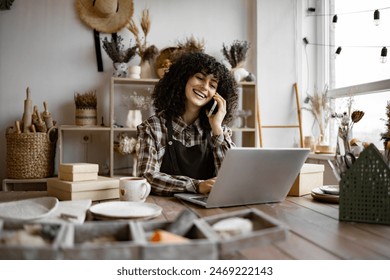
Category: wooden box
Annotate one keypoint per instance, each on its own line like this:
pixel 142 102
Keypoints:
pixel 265 230
pixel 101 189
pixel 76 172
pixel 311 176
pixel 48 250
pixel 199 247
pixel 107 240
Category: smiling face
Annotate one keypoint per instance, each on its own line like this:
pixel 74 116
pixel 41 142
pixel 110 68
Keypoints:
pixel 199 90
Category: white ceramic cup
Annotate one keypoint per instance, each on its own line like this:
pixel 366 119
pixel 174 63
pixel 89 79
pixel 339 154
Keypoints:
pixel 134 189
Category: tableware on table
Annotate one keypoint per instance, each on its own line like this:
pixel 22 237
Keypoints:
pixel 134 189
pixel 28 209
pixel 125 210
pixel 330 189
pixel 320 195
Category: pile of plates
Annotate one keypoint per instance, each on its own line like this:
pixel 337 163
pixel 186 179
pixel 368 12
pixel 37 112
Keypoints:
pixel 328 193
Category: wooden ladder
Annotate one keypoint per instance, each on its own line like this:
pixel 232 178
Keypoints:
pixel 299 125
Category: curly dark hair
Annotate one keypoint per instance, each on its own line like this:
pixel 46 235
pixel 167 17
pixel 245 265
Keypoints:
pixel 169 93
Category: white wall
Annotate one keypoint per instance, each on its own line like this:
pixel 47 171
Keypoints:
pixel 46 47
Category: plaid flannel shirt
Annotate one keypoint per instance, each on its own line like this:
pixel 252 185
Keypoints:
pixel 152 136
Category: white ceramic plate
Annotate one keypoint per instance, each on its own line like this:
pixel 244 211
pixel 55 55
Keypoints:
pixel 28 209
pixel 125 210
pixel 330 189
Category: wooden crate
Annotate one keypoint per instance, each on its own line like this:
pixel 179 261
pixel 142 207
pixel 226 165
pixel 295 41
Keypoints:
pixel 89 241
pixel 199 248
pixel 49 251
pixel 266 230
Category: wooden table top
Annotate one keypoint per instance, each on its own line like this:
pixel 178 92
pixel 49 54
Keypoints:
pixel 315 233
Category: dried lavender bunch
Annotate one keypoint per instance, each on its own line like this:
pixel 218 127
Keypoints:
pixel 236 54
pixel 115 49
pixel 86 100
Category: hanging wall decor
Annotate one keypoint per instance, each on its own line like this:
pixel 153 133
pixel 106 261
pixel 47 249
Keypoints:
pixel 107 16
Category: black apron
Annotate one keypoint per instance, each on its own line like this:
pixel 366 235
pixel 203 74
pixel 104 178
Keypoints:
pixel 196 162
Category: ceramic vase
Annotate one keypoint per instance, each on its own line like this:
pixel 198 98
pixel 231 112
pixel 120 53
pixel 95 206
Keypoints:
pixel 134 118
pixel 120 69
pixel 147 70
pixel 135 72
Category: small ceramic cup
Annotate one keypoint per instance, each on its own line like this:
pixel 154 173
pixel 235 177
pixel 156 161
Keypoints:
pixel 134 189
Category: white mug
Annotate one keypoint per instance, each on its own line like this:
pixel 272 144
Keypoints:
pixel 133 189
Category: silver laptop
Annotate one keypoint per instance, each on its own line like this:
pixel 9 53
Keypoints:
pixel 252 176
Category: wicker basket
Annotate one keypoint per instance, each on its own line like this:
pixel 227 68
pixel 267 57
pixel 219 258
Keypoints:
pixel 86 117
pixel 31 155
pixel 365 189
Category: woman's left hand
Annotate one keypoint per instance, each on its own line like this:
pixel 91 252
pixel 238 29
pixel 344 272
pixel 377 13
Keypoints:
pixel 217 119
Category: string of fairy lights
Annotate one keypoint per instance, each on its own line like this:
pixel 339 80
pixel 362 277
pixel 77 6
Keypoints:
pixel 376 15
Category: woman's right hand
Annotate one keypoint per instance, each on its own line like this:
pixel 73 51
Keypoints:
pixel 217 119
pixel 205 186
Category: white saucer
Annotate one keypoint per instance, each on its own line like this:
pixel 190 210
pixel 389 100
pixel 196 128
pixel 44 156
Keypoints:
pixel 28 209
pixel 125 210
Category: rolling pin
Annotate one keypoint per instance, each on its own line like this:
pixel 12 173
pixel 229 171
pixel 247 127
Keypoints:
pixel 27 114
pixel 17 127
pixel 40 126
pixel 47 116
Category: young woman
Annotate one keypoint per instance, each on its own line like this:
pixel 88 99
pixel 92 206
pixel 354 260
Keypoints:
pixel 182 146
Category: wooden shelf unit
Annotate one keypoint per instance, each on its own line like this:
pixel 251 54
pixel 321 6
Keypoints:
pixel 243 136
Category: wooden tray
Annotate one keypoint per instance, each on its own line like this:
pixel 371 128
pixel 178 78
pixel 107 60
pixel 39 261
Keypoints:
pixel 265 231
pixel 48 251
pixel 200 247
pixel 108 240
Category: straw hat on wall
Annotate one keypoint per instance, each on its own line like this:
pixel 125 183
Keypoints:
pixel 107 16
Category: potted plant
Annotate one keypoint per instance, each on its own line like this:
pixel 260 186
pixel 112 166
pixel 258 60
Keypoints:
pixel 86 107
pixel 135 103
pixel 236 56
pixel 119 55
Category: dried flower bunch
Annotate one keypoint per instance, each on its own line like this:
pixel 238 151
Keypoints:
pixel 145 52
pixel 319 107
pixel 126 145
pixel 168 55
pixel 236 54
pixel 385 136
pixel 135 101
pixel 86 100
pixel 116 50
pixel 191 44
pixel 346 121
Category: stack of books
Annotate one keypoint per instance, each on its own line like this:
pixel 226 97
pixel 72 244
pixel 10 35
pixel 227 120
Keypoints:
pixel 77 181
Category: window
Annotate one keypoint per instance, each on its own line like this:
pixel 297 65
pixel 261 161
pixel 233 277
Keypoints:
pixel 357 72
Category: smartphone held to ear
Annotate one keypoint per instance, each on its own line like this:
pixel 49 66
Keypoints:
pixel 213 108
